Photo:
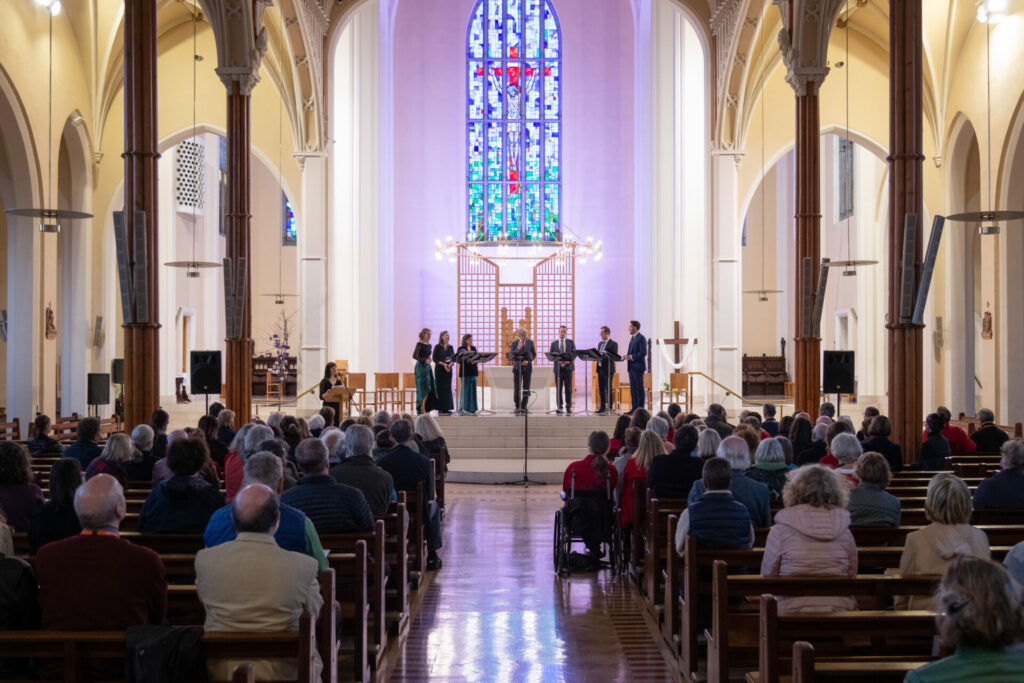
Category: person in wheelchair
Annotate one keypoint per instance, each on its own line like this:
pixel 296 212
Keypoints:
pixel 587 484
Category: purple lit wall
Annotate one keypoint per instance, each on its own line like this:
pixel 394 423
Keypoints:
pixel 429 160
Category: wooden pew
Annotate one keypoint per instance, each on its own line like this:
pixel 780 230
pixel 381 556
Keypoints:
pixel 861 670
pixel 355 609
pixel 656 547
pixel 396 551
pixel 728 637
pixel 10 431
pixel 74 649
pixel 635 565
pixel 776 632
pixel 415 505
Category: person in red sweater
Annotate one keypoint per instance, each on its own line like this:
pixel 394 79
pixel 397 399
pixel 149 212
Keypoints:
pixel 650 447
pixel 594 477
pixel 958 440
pixel 96 580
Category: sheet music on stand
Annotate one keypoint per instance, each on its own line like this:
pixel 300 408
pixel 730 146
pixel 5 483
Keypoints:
pixel 466 357
pixel 599 356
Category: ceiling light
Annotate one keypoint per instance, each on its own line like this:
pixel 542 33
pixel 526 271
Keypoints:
pixel 992 11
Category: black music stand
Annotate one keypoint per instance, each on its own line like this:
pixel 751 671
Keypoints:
pixel 614 358
pixel 557 358
pixel 588 355
pixel 464 357
pixel 517 358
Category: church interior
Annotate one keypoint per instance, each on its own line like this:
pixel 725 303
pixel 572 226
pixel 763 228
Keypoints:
pixel 791 218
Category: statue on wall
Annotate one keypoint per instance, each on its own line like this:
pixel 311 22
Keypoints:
pixel 986 323
pixel 51 325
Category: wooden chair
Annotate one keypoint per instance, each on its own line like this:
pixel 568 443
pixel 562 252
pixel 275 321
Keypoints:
pixel 408 391
pixel 595 390
pixel 357 383
pixel 622 394
pixel 386 391
pixel 678 391
pixel 274 387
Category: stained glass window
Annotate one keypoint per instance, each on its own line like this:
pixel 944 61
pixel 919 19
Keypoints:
pixel 513 116
pixel 289 231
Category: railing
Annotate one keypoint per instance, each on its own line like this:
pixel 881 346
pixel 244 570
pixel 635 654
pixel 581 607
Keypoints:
pixel 727 390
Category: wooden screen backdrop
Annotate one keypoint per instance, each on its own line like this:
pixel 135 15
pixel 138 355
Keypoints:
pixel 492 311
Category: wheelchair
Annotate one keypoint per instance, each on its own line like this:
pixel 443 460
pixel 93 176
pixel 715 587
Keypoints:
pixel 587 515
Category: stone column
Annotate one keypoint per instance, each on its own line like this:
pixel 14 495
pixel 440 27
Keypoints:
pixel 906 171
pixel 238 368
pixel 141 340
pixel 807 349
pixel 313 286
pixel 726 276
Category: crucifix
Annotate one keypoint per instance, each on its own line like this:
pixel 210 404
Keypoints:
pixel 676 344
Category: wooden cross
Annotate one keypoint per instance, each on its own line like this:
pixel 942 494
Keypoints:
pixel 676 343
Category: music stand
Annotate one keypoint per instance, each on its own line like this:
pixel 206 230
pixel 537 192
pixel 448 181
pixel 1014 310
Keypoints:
pixel 472 358
pixel 557 358
pixel 614 358
pixel 588 355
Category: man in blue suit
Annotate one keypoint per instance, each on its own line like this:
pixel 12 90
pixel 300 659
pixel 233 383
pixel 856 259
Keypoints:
pixel 636 364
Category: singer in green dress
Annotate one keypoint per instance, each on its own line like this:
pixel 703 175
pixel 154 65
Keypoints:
pixel 425 396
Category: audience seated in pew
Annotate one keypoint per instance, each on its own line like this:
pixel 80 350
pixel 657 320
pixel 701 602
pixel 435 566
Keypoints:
pixel 879 430
pixel 234 464
pixel 716 519
pixel 935 450
pixel 751 493
pixel 334 508
pixel 140 468
pixel 618 436
pixel 833 430
pixel 826 414
pixel 237 598
pixel 818 448
pixel 811 536
pixel 408 468
pixel 295 532
pixel 846 450
pixel 593 477
pixel 40 440
pixel 279 447
pixel 359 471
pixel 19 495
pixel 930 550
pixel 159 422
pixel 225 425
pixel 86 447
pixel 336 442
pixel 671 475
pixel 870 504
pixel 630 442
pixel 770 467
pixel 1005 489
pixel 988 437
pixel 218 451
pixel 651 447
pixel 116 452
pixel 19 606
pixel 870 413
pixel 716 420
pixel 708 442
pixel 954 435
pixel 979 614
pixel 56 518
pixel 661 427
pixel 750 435
pixel 208 471
pixel 184 503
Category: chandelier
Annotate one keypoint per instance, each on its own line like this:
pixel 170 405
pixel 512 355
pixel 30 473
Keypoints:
pixel 505 250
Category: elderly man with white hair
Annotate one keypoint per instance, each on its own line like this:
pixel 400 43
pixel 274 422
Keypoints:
pixel 1005 489
pixel 846 449
pixel 359 470
pixel 334 440
pixel 273 598
pixel 141 466
pixel 751 493
pixel 818 449
pixel 96 580
pixel 295 532
pixel 234 463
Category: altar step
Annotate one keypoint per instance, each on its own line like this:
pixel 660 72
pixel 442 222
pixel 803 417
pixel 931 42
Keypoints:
pixel 490 450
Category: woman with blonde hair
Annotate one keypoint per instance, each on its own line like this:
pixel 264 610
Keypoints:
pixel 424 377
pixel 430 433
pixel 651 445
pixel 118 451
pixel 444 359
pixel 929 550
pixel 811 536
pixel 225 427
pixel 708 443
pixel 979 614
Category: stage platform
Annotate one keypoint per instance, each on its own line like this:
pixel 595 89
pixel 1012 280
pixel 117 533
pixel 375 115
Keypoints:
pixel 490 449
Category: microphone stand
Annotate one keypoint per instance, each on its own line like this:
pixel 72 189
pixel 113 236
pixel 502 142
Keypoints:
pixel 525 481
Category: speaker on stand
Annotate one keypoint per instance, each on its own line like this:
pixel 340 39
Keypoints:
pixel 205 375
pixel 98 391
pixel 837 374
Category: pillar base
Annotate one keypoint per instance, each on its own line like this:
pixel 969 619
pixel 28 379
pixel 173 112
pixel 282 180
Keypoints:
pixel 141 373
pixel 807 384
pixel 906 404
pixel 238 378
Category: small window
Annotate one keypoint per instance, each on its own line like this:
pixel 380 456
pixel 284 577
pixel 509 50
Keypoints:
pixel 289 231
pixel 844 178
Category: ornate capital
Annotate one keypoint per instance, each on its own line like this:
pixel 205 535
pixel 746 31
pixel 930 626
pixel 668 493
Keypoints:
pixel 803 41
pixel 241 40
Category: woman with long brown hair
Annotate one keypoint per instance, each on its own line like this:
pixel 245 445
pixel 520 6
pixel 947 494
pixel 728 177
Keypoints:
pixel 330 381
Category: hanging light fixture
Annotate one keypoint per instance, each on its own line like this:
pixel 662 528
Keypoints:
pixel 193 267
pixel 850 265
pixel 762 294
pixel 50 217
pixel 989 12
pixel 279 295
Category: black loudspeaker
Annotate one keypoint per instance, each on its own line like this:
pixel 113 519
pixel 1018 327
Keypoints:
pixel 205 372
pixel 117 371
pixel 99 389
pixel 837 372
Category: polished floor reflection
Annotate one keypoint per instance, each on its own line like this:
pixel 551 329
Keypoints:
pixel 497 612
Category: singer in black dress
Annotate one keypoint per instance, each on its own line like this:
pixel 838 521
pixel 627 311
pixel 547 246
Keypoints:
pixel 444 357
pixel 330 381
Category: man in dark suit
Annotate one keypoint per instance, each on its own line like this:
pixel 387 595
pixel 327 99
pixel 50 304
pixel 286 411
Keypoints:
pixel 605 368
pixel 564 369
pixel 636 364
pixel 522 368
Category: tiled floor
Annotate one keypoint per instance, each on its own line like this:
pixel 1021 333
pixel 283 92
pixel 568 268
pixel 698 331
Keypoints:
pixel 497 612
